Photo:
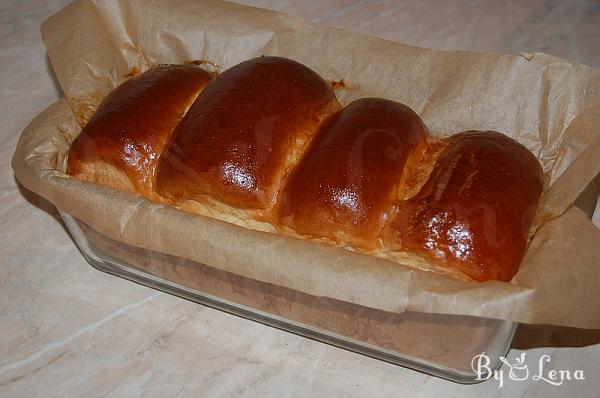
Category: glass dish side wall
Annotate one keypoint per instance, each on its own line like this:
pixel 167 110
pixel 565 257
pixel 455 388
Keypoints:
pixel 442 345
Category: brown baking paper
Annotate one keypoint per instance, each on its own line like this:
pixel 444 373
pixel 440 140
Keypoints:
pixel 550 105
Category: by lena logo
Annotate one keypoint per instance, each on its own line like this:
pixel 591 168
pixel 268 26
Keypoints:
pixel 519 370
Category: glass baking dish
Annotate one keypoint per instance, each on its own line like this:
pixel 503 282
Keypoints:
pixel 440 345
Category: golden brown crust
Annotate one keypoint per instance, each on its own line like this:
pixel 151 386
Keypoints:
pixel 367 177
pixel 121 143
pixel 244 132
pixel 475 210
pixel 345 183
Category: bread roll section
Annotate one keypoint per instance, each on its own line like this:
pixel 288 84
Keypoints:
pixel 121 143
pixel 474 212
pixel 346 182
pixel 267 146
pixel 244 134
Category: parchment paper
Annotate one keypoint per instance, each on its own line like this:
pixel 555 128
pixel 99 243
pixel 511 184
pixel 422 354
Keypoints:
pixel 550 105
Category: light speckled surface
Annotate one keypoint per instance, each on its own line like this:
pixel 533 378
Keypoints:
pixel 67 329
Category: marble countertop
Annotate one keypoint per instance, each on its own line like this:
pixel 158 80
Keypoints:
pixel 67 329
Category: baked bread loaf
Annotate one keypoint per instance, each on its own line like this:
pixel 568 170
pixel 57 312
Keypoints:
pixel 266 145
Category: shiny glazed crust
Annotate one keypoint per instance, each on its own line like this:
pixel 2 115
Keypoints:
pixel 475 210
pixel 347 181
pixel 267 146
pixel 242 136
pixel 120 145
